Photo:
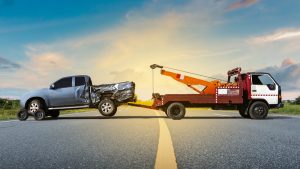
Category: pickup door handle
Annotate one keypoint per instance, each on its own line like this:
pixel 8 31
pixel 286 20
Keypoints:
pixel 253 90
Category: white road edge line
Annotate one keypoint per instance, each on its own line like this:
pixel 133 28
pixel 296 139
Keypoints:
pixel 165 157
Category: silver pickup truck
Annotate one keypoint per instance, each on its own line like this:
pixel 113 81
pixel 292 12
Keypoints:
pixel 75 92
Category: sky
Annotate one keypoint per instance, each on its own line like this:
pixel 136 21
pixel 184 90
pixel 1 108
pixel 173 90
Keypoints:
pixel 117 40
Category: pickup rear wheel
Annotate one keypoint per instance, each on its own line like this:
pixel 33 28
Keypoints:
pixel 176 111
pixel 107 107
pixel 258 110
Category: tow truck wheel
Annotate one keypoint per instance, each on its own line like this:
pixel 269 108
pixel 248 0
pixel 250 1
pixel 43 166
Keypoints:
pixel 39 114
pixel 107 107
pixel 54 113
pixel 244 112
pixel 22 115
pixel 176 111
pixel 258 110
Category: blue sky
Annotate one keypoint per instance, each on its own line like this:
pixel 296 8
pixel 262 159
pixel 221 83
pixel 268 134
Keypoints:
pixel 117 40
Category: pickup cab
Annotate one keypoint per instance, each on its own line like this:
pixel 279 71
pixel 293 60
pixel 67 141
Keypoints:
pixel 75 92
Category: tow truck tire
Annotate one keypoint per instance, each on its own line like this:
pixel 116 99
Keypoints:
pixel 176 111
pixel 258 110
pixel 107 107
pixel 22 115
pixel 54 113
pixel 39 114
pixel 244 112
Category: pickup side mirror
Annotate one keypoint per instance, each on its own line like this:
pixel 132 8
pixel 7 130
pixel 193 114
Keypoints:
pixel 52 87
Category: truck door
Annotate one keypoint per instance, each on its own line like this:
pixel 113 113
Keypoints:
pixel 81 90
pixel 61 93
pixel 264 87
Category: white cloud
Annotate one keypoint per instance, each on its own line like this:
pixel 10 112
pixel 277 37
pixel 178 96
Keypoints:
pixel 280 35
pixel 287 75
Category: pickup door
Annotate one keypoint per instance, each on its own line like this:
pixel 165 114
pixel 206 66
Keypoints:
pixel 62 93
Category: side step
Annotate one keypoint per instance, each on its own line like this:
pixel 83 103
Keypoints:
pixel 71 107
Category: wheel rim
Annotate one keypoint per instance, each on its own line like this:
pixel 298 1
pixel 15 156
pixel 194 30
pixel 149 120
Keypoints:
pixel 175 111
pixel 106 108
pixel 259 111
pixel 33 107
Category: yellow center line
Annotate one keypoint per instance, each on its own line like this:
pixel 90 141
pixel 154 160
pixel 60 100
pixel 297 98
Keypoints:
pixel 165 157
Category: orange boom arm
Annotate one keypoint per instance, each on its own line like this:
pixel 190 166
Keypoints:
pixel 210 87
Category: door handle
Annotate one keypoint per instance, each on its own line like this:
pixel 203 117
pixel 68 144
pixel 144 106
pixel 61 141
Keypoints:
pixel 253 90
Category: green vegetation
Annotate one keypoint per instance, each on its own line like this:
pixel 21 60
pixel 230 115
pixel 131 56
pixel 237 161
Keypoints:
pixel 8 109
pixel 289 108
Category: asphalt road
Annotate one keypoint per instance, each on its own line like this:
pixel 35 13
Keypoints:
pixel 143 138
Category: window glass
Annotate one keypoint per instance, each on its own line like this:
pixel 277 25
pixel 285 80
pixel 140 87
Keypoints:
pixel 63 83
pixel 79 81
pixel 261 80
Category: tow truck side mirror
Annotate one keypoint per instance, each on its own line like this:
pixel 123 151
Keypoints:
pixel 271 86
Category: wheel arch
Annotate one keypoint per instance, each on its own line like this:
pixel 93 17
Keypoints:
pixel 261 100
pixel 44 104
pixel 185 103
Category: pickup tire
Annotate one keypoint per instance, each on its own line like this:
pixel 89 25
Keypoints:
pixel 54 113
pixel 176 111
pixel 34 106
pixel 258 110
pixel 107 107
pixel 39 115
pixel 22 115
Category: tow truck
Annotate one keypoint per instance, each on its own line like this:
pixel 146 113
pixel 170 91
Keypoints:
pixel 251 93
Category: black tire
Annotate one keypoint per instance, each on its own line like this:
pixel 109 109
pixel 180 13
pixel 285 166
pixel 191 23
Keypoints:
pixel 243 110
pixel 33 106
pixel 176 111
pixel 54 113
pixel 39 115
pixel 22 115
pixel 107 107
pixel 258 110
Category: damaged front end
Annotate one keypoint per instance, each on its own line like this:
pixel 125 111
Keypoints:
pixel 121 92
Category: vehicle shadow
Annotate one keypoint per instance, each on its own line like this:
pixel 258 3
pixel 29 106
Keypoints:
pixel 158 117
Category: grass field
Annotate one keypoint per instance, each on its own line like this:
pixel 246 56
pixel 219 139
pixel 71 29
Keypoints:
pixel 8 114
pixel 288 109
